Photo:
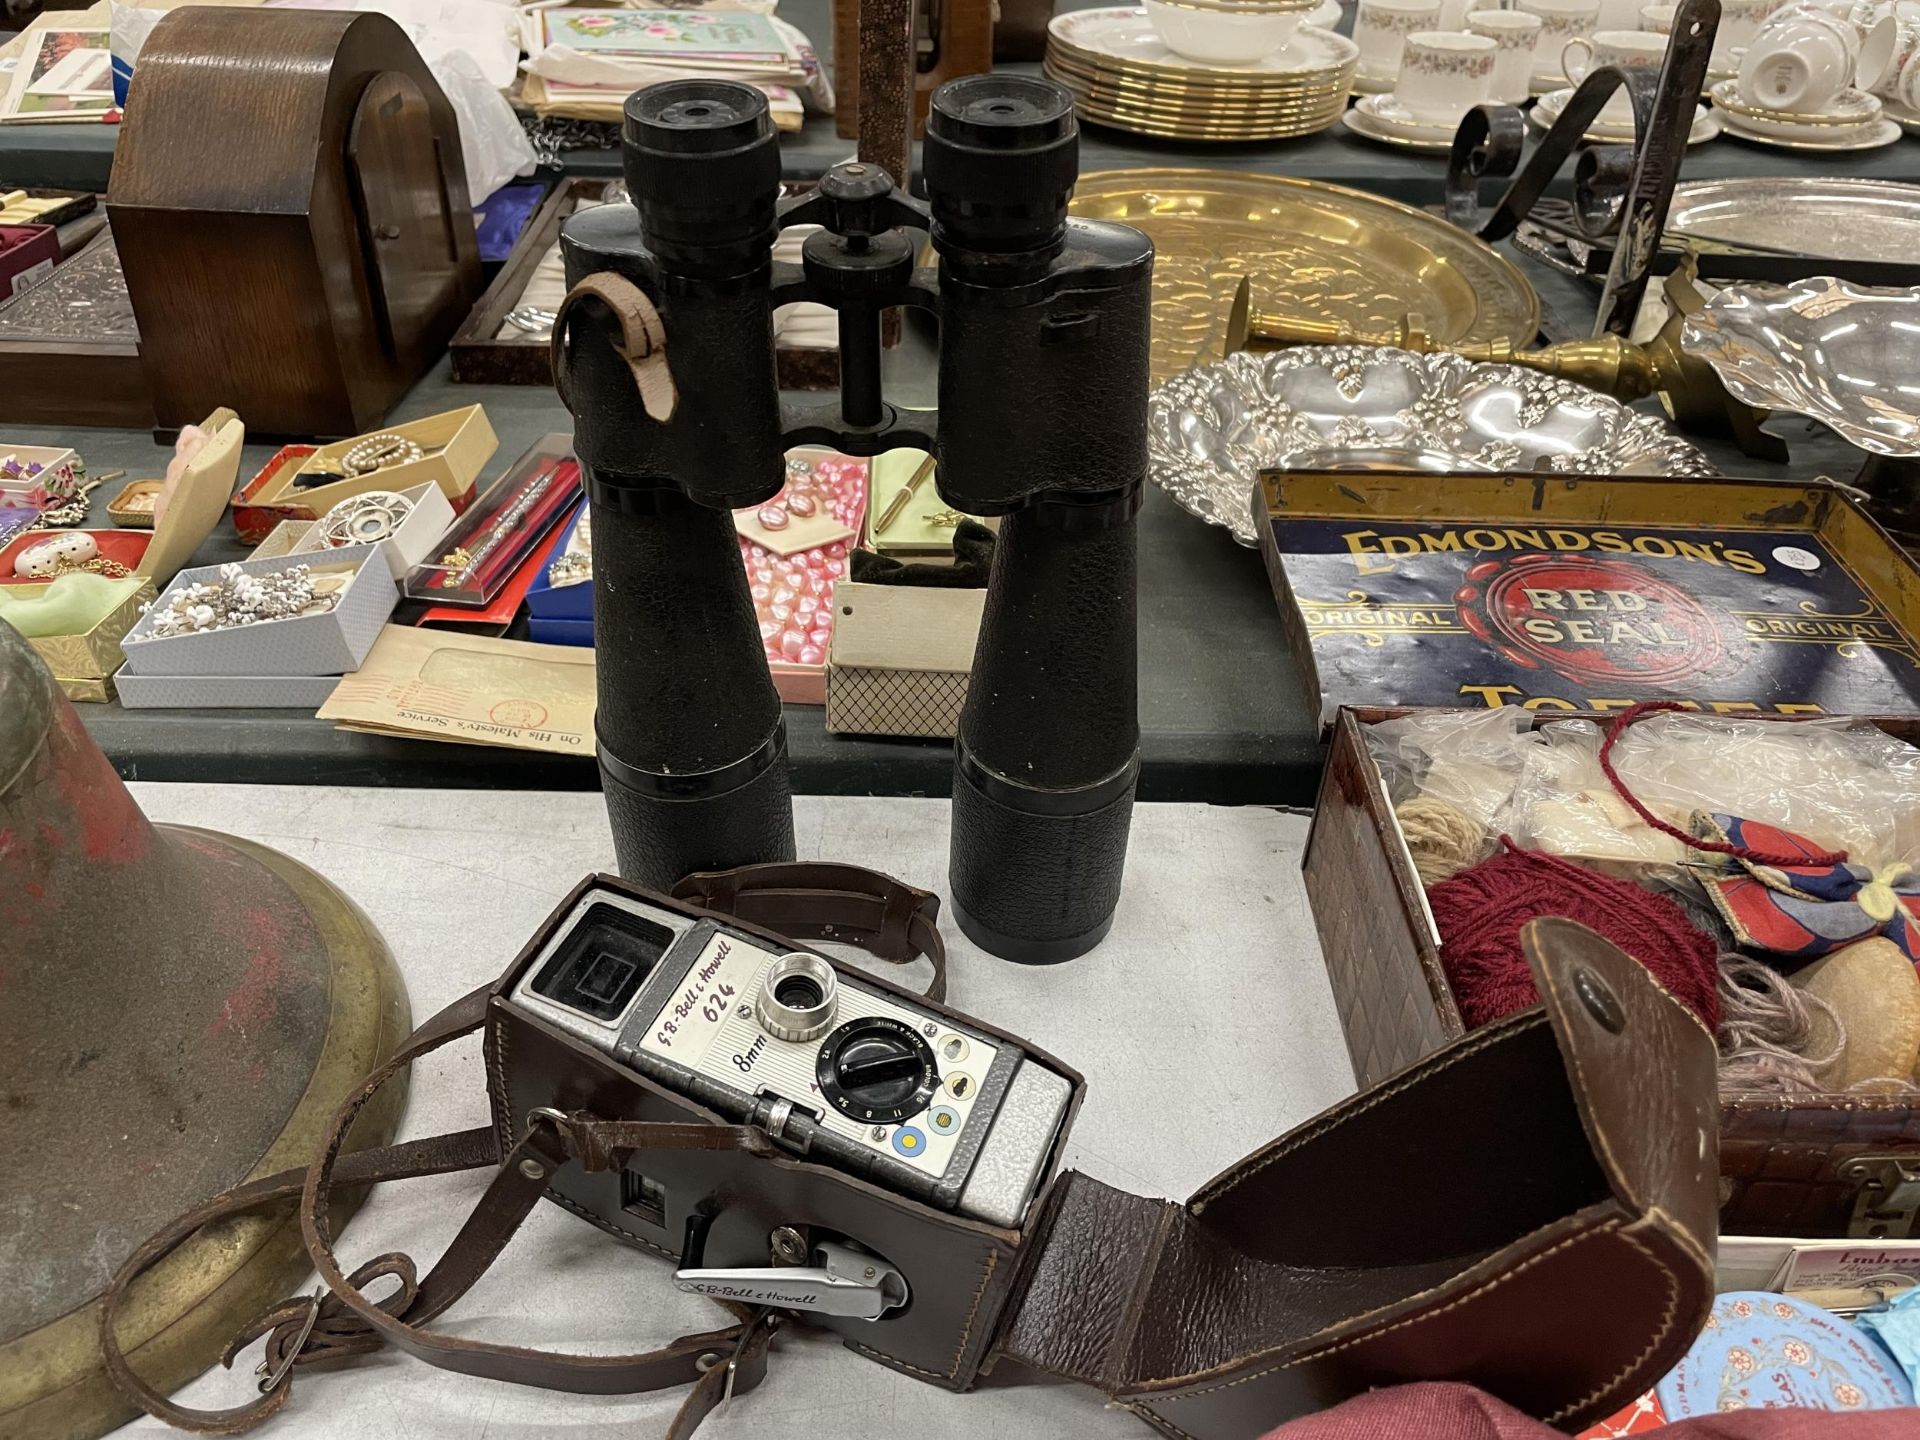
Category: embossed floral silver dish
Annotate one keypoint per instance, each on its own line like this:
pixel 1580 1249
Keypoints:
pixel 1212 430
pixel 1846 355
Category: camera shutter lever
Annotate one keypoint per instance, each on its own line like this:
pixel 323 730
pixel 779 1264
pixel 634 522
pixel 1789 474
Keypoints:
pixel 841 1281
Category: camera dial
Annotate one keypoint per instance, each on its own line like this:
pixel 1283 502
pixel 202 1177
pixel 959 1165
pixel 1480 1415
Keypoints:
pixel 797 997
pixel 877 1070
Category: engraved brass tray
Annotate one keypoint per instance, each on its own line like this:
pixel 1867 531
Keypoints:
pixel 1211 431
pixel 1321 252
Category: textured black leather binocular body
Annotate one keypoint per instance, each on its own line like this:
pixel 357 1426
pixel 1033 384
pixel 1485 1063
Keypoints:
pixel 1043 325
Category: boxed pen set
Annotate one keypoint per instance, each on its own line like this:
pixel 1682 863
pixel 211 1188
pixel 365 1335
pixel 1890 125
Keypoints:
pixel 1683 715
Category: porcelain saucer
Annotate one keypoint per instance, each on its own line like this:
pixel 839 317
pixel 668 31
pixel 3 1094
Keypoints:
pixel 1908 120
pixel 1851 115
pixel 1705 124
pixel 1872 136
pixel 1384 118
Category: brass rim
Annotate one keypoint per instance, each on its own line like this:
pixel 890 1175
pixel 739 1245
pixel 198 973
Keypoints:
pixel 1477 294
pixel 1279 95
pixel 184 1311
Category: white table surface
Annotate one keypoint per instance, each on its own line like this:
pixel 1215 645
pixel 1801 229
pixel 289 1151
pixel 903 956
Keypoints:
pixel 1204 1025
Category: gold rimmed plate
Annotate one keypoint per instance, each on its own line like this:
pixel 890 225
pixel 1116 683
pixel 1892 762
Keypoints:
pixel 1169 126
pixel 1333 77
pixel 1316 84
pixel 1176 105
pixel 1197 98
pixel 1121 37
pixel 1851 109
pixel 1870 137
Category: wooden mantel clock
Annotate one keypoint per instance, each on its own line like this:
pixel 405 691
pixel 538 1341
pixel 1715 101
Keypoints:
pixel 292 216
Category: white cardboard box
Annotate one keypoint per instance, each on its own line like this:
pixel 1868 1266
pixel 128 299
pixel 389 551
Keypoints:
pixel 417 538
pixel 329 644
pixel 224 692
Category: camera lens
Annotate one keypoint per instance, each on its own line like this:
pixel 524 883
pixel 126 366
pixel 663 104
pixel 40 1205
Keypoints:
pixel 798 992
pixel 797 997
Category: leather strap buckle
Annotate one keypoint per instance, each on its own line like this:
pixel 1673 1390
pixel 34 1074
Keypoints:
pixel 761 1319
pixel 271 1378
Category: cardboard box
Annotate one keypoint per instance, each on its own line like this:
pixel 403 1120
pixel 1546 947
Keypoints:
pixel 195 509
pixel 900 659
pixel 412 542
pixel 53 481
pixel 282 538
pixel 458 444
pixel 307 645
pixel 28 254
pixel 83 663
pixel 224 692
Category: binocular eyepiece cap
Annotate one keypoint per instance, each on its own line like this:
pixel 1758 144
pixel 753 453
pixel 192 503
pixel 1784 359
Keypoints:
pixel 1001 156
pixel 697 117
pixel 1002 112
pixel 702 163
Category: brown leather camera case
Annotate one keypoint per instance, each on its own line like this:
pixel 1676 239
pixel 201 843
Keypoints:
pixel 1541 1173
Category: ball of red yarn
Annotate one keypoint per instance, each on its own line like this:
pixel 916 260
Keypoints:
pixel 1481 910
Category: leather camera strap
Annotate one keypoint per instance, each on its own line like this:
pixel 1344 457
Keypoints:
pixel 844 903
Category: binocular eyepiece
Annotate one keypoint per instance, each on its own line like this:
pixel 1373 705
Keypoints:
pixel 1000 158
pixel 1043 324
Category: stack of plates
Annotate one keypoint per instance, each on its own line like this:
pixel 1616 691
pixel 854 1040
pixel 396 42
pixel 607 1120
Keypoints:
pixel 1853 121
pixel 1121 74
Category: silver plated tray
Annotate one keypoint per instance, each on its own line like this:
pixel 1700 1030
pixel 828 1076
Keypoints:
pixel 1845 219
pixel 1846 355
pixel 1213 429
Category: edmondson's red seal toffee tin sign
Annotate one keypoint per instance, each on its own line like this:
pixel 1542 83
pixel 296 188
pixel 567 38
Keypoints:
pixel 1569 613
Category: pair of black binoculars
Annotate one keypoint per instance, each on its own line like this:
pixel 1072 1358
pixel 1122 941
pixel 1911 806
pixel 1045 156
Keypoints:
pixel 1043 370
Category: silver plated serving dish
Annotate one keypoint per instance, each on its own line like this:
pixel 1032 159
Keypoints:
pixel 1213 429
pixel 1848 219
pixel 1846 355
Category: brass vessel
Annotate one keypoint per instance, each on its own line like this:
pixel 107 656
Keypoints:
pixel 182 1011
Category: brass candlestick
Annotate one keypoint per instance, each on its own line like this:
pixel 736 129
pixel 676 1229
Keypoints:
pixel 1687 386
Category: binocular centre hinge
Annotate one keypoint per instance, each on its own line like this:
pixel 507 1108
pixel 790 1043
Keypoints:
pixel 824 1277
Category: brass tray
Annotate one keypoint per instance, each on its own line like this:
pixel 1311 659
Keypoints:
pixel 1321 251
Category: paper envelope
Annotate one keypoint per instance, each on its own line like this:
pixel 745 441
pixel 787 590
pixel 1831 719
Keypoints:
pixel 473 689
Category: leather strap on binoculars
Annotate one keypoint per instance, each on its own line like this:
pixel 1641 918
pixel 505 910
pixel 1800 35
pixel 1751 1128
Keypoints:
pixel 830 902
pixel 643 341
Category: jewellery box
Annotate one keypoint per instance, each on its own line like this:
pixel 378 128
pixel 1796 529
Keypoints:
pixel 83 663
pixel 457 445
pixel 250 664
pixel 53 478
pixel 411 541
pixel 1739 597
